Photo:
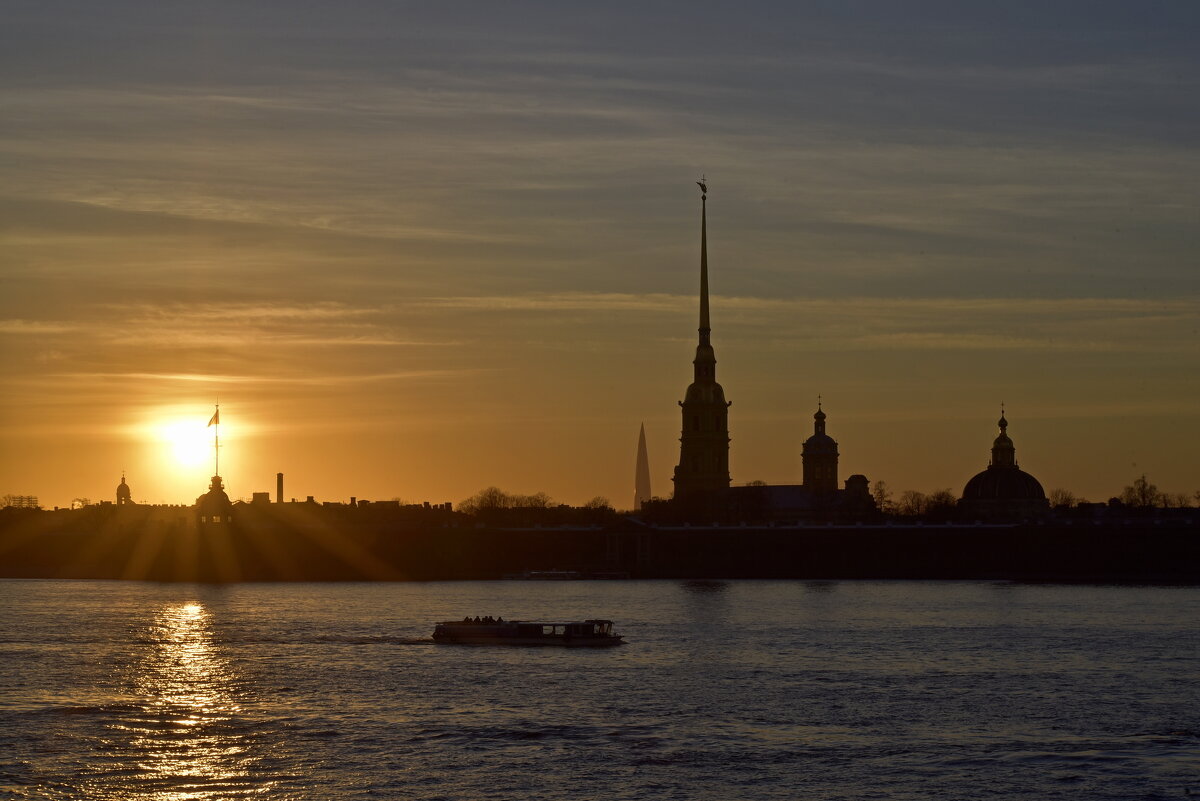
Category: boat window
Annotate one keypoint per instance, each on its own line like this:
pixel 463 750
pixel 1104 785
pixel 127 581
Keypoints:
pixel 547 629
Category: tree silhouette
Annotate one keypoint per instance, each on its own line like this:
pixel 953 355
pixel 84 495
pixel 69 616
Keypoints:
pixel 912 503
pixel 883 496
pixel 1062 497
pixel 1141 494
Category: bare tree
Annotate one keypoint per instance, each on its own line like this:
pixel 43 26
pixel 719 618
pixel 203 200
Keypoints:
pixel 599 502
pixel 912 503
pixel 1175 500
pixel 941 501
pixel 883 496
pixel 1140 494
pixel 1062 497
pixel 486 500
pixel 538 500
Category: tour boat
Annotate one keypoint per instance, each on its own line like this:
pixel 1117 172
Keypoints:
pixel 574 634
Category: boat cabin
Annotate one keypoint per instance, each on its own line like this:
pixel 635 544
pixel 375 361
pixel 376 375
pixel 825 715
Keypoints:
pixel 590 633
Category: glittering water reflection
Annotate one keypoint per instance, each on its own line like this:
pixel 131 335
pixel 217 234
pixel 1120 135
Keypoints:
pixel 188 741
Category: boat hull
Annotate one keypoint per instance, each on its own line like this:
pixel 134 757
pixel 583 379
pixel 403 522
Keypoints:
pixel 561 642
pixel 570 634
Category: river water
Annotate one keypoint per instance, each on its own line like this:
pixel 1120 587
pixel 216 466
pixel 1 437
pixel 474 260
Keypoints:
pixel 737 690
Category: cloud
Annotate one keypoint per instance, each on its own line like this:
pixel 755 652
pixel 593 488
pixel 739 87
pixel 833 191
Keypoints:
pixel 176 325
pixel 36 327
pixel 1100 325
pixel 293 380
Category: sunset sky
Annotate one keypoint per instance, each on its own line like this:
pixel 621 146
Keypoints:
pixel 416 249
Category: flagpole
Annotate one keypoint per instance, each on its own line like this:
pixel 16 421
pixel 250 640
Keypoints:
pixel 217 443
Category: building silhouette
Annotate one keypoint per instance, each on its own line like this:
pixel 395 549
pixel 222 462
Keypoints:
pixel 703 467
pixel 1003 491
pixel 124 495
pixel 819 458
pixel 703 489
pixel 818 497
pixel 214 506
pixel 641 480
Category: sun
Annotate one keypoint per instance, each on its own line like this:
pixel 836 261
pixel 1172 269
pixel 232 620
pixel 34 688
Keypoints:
pixel 189 441
pixel 176 447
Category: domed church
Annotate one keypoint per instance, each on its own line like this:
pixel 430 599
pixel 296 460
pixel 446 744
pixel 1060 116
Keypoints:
pixel 124 494
pixel 1003 491
pixel 819 457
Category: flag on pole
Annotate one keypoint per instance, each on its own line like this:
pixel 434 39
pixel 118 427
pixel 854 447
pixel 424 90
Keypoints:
pixel 216 418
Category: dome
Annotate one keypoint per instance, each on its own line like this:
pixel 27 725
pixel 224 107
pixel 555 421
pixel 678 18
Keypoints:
pixel 1004 491
pixel 820 443
pixel 216 499
pixel 1003 484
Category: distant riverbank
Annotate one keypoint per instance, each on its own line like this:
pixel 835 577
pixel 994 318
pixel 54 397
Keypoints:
pixel 133 544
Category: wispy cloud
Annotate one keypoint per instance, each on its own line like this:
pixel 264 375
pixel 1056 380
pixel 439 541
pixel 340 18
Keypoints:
pixel 292 380
pixel 36 327
pixel 175 325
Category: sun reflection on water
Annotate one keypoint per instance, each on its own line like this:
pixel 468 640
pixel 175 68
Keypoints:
pixel 189 741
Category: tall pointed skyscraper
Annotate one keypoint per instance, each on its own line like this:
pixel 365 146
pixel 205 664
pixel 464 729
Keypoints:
pixel 704 443
pixel 641 480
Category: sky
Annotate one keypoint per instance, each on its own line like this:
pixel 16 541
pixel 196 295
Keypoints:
pixel 417 249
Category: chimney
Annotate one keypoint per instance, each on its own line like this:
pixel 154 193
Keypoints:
pixel 279 488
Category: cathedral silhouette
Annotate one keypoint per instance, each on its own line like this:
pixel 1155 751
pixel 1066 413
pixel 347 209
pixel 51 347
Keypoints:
pixel 702 483
pixel 1003 490
pixel 703 489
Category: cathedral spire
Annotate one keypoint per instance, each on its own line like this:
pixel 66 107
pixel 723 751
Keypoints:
pixel 704 442
pixel 705 329
pixel 706 360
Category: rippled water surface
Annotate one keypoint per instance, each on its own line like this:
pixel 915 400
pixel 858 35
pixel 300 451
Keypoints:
pixel 739 690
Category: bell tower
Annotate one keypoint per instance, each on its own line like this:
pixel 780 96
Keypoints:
pixel 819 457
pixel 704 440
